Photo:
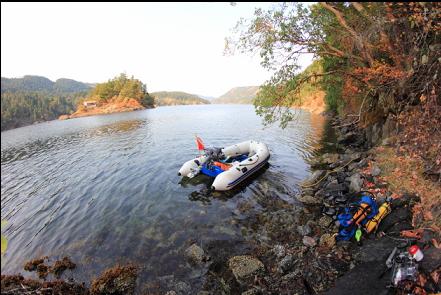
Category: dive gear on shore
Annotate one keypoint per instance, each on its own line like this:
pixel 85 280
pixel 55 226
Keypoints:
pixel 383 211
pixel 405 269
pixel 356 215
pixel 416 253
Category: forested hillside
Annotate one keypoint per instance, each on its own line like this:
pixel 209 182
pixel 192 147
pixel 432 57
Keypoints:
pixel 33 98
pixel 238 95
pixel 38 83
pixel 164 98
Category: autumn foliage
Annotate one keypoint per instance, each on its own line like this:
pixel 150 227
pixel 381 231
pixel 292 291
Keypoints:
pixel 377 60
pixel 376 56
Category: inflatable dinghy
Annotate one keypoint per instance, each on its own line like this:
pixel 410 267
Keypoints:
pixel 229 166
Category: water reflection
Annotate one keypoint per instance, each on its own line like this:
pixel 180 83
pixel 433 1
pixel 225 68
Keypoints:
pixel 118 127
pixel 327 142
pixel 105 190
pixel 196 181
pixel 56 142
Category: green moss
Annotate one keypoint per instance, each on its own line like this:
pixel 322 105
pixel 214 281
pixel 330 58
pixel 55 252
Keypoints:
pixel 4 240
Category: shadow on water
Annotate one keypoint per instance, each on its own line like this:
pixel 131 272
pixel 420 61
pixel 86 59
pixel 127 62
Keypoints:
pixel 118 127
pixel 196 181
pixel 328 139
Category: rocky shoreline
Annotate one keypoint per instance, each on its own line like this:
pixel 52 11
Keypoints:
pixel 291 248
pixel 294 250
pixel 113 106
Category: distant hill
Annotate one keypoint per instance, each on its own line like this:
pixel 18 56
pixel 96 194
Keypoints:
pixel 34 98
pixel 210 98
pixel 39 83
pixel 27 83
pixel 238 95
pixel 69 85
pixel 164 98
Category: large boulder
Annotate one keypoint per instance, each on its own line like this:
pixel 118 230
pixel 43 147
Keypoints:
pixel 329 158
pixel 116 280
pixel 375 171
pixel 245 266
pixel 327 240
pixel 351 158
pixel 196 254
pixel 356 183
pixel 334 186
pixel 304 230
pixel 363 279
pixel 309 241
pixel 316 176
pixel 286 264
pixel 325 221
pixel 308 200
pixel 432 259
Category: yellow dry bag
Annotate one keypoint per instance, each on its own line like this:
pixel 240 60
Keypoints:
pixel 372 224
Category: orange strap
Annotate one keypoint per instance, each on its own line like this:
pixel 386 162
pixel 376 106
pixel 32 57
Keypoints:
pixel 223 166
pixel 361 213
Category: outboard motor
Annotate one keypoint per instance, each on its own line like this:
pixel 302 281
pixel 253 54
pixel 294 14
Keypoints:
pixel 214 154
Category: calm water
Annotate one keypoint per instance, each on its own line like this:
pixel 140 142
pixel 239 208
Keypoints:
pixel 105 189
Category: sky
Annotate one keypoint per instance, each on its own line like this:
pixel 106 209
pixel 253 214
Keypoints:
pixel 168 46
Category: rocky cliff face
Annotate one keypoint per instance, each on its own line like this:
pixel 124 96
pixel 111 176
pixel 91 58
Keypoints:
pixel 381 131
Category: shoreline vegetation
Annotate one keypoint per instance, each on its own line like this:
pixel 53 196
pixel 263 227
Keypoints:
pixel 34 99
pixel 117 105
pixel 120 94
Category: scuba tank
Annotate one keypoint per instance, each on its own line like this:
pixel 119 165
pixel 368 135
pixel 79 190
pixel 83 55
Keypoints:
pixel 383 211
pixel 361 213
